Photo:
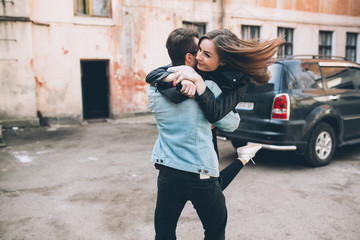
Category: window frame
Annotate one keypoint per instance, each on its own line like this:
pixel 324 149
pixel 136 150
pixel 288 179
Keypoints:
pixel 86 9
pixel 282 51
pixel 248 30
pixel 323 47
pixel 351 48
pixel 200 27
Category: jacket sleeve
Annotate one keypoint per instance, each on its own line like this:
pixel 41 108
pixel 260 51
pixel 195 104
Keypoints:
pixel 171 92
pixel 230 122
pixel 155 76
pixel 216 108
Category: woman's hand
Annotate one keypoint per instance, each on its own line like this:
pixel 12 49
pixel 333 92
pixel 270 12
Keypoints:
pixel 193 77
pixel 188 88
pixel 169 78
pixel 181 68
pixel 184 73
pixel 188 73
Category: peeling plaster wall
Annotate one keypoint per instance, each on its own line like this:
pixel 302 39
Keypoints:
pixel 17 98
pixel 146 25
pixel 50 43
pixel 60 42
pixel 16 85
pixel 129 40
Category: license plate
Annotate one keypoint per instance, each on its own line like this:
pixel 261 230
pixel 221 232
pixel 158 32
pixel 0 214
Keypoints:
pixel 245 106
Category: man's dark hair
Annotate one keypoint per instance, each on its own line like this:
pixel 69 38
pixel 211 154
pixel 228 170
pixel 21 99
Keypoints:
pixel 179 43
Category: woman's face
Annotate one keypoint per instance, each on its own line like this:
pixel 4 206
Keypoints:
pixel 207 57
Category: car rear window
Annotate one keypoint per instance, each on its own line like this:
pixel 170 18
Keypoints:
pixel 304 75
pixel 275 72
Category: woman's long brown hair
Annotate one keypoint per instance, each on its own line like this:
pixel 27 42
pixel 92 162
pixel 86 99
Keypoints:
pixel 252 57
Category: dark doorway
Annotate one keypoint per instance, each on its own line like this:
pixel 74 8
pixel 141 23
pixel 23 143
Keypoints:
pixel 95 89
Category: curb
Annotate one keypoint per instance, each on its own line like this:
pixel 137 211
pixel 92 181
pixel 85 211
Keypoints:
pixel 29 122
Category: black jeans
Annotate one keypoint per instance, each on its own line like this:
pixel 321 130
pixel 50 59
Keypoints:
pixel 175 188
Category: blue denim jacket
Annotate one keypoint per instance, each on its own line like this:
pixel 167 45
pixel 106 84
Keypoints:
pixel 185 138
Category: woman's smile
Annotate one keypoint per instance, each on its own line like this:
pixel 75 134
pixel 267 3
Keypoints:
pixel 207 57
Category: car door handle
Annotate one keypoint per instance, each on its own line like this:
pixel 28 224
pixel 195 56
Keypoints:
pixel 333 97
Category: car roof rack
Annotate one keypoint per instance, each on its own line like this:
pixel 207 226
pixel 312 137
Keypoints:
pixel 314 57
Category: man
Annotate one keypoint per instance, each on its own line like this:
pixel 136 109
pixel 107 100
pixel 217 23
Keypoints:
pixel 184 152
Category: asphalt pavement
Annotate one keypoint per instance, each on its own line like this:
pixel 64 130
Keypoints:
pixel 96 181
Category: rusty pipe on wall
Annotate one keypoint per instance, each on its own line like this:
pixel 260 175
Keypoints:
pixel 222 2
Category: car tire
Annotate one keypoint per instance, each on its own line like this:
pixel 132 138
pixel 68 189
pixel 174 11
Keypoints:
pixel 321 146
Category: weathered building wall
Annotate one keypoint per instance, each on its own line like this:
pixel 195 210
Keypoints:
pixel 40 68
pixel 146 25
pixel 339 7
pixel 132 40
pixel 59 43
pixel 307 18
pixel 17 87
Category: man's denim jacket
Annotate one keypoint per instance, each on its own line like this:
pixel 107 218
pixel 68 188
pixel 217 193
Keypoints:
pixel 185 138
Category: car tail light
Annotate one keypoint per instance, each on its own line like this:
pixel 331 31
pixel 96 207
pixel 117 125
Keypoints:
pixel 281 107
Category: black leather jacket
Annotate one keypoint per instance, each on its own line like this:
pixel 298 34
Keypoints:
pixel 233 84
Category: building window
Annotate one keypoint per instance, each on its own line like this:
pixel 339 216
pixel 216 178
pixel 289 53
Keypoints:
pixel 97 8
pixel 199 27
pixel 351 39
pixel 286 49
pixel 325 39
pixel 250 32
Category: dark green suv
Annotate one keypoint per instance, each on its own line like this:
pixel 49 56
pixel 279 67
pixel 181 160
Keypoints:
pixel 310 106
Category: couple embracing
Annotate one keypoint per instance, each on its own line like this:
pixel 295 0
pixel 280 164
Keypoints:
pixel 189 98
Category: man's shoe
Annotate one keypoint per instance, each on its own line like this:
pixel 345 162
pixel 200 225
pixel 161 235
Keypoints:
pixel 247 152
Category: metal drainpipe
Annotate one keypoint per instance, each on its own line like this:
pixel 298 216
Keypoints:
pixel 222 13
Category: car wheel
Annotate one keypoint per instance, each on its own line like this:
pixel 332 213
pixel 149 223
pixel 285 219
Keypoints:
pixel 321 146
pixel 237 144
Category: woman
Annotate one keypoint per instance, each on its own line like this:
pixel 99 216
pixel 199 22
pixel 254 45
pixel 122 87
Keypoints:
pixel 231 63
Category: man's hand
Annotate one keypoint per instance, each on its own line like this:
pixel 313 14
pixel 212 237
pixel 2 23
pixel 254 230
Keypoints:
pixel 188 88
